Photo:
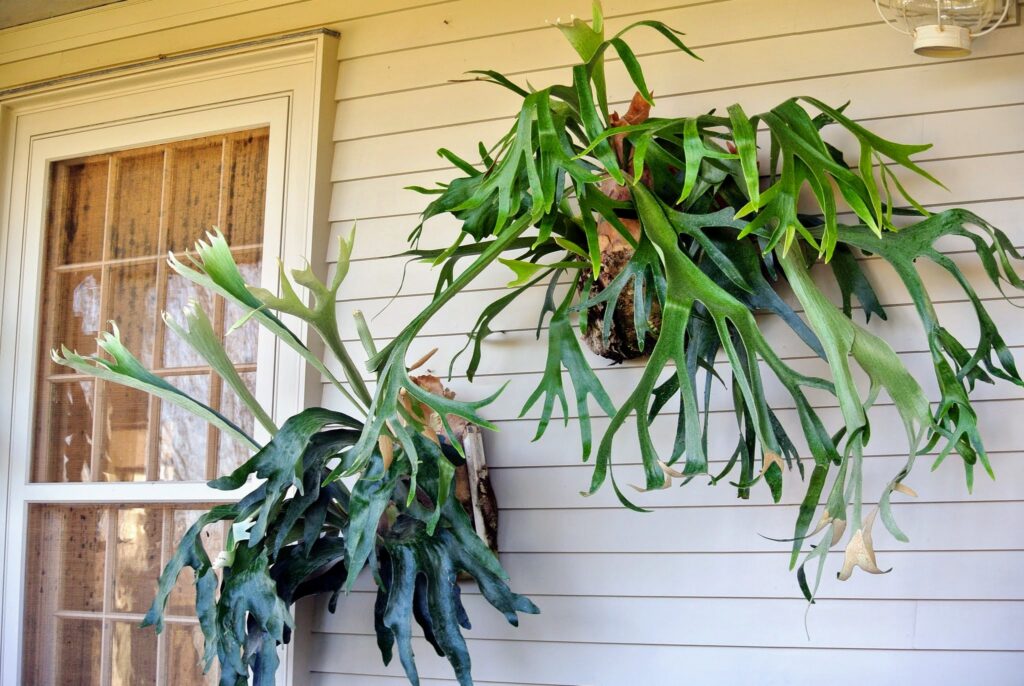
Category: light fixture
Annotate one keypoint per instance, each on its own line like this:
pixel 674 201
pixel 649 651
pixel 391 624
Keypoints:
pixel 944 28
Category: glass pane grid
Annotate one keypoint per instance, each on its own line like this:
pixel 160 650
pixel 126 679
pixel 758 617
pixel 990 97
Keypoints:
pixel 112 220
pixel 91 577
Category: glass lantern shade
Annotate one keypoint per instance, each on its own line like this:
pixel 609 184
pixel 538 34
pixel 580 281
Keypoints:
pixel 944 28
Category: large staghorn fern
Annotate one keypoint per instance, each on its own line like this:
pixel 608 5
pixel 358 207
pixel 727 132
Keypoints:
pixel 710 235
pixel 714 243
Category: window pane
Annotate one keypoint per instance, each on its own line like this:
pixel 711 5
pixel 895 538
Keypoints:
pixel 186 644
pixel 125 433
pixel 73 541
pixel 74 308
pixel 57 547
pixel 133 655
pixel 133 306
pixel 65 431
pixel 91 576
pixel 135 224
pixel 247 179
pixel 230 453
pixel 79 211
pixel 79 651
pixel 183 436
pixel 195 194
pixel 136 558
pixel 178 353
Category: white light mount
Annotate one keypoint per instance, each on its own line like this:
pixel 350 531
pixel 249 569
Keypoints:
pixel 944 28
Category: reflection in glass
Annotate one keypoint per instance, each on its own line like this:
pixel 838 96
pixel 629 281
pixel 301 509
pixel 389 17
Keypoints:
pixel 133 306
pixel 230 453
pixel 181 291
pixel 66 432
pixel 125 433
pixel 74 312
pixel 183 436
pixel 136 558
pixel 132 655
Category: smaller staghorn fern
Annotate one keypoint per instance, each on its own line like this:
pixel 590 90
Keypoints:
pixel 709 241
pixel 300 532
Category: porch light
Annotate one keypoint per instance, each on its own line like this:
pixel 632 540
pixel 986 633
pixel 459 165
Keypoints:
pixel 943 28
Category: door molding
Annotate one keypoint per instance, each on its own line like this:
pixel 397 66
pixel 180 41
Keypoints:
pixel 285 83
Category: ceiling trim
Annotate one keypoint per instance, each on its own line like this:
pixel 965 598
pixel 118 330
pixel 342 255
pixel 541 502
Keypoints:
pixel 21 12
pixel 161 59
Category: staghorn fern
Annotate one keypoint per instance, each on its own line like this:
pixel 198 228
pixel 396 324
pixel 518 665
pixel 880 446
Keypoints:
pixel 710 240
pixel 714 244
pixel 300 532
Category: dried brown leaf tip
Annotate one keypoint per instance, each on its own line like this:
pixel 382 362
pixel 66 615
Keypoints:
pixel 838 527
pixel 771 457
pixel 860 551
pixel 905 489
pixel 669 475
pixel 422 361
pixel 387 451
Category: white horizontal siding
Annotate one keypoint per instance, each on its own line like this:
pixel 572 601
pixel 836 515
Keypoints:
pixel 696 621
pixel 971 177
pixel 962 132
pixel 755 72
pixel 572 664
pixel 990 575
pixel 693 592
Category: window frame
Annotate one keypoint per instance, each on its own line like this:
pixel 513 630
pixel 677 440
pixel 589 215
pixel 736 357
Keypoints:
pixel 285 83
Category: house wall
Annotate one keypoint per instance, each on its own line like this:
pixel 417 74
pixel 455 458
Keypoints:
pixel 694 592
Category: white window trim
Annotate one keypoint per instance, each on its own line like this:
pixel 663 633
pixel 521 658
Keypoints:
pixel 285 83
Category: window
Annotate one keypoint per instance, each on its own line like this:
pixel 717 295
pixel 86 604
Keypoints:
pixel 101 176
pixel 90 578
pixel 112 220
pixel 91 569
